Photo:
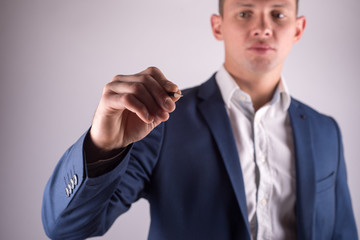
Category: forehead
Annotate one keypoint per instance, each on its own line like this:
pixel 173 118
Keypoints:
pixel 260 3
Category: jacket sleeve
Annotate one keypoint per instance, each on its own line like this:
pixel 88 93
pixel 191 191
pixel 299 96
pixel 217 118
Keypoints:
pixel 345 226
pixel 76 206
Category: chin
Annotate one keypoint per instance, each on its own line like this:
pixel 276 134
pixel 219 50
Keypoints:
pixel 262 65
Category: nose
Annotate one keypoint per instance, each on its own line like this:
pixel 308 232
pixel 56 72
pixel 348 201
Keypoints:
pixel 262 28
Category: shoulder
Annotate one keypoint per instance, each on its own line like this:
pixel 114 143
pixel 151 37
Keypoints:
pixel 309 112
pixel 319 122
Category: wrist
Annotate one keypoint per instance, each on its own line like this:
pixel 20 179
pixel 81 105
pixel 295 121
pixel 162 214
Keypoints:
pixel 94 153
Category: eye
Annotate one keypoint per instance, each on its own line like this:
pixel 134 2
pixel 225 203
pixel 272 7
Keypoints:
pixel 278 15
pixel 244 14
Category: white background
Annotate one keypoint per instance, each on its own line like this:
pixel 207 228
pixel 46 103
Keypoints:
pixel 56 56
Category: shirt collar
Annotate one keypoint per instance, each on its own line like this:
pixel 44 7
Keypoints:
pixel 228 87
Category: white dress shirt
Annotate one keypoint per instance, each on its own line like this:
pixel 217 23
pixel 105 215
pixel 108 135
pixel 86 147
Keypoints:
pixel 266 151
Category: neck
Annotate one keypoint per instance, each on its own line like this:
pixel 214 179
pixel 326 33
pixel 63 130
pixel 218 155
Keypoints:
pixel 259 86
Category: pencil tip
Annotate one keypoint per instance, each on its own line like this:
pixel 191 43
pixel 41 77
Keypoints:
pixel 175 94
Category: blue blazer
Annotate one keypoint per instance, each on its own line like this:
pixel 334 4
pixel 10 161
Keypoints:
pixel 189 171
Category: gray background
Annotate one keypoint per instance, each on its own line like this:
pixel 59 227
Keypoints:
pixel 56 56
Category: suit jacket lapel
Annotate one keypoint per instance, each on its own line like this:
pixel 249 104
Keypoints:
pixel 305 171
pixel 214 112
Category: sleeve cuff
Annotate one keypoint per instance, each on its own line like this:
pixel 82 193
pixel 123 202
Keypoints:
pixel 98 163
pixel 104 166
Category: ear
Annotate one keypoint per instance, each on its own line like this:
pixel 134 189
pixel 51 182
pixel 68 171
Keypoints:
pixel 300 28
pixel 216 26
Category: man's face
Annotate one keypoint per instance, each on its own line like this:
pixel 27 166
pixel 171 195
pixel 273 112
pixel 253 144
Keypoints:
pixel 258 34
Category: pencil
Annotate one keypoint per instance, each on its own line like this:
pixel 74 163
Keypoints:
pixel 175 94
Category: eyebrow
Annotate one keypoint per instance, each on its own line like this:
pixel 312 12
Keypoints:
pixel 281 5
pixel 241 4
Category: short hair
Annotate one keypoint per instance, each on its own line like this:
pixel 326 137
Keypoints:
pixel 221 7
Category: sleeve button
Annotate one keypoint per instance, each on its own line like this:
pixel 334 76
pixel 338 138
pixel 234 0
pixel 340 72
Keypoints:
pixel 72 183
pixel 69 188
pixel 67 192
pixel 75 178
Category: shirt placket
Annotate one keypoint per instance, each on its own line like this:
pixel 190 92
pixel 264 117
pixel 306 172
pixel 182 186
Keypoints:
pixel 263 176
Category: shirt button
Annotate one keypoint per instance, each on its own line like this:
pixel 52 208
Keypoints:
pixel 257 120
pixel 262 158
pixel 242 98
pixel 263 202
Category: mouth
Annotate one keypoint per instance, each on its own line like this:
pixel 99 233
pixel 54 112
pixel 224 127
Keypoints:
pixel 261 48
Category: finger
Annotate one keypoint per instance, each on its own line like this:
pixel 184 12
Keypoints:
pixel 158 92
pixel 139 91
pixel 160 77
pixel 142 94
pixel 152 86
pixel 131 103
pixel 169 86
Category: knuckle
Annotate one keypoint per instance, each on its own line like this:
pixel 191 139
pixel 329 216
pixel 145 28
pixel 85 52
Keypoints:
pixel 117 77
pixel 107 88
pixel 125 99
pixel 148 78
pixel 152 69
pixel 137 87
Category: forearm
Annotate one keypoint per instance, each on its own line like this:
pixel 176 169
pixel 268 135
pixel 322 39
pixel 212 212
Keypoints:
pixel 97 201
pixel 82 213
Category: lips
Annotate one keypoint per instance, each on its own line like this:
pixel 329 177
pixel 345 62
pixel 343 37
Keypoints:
pixel 261 48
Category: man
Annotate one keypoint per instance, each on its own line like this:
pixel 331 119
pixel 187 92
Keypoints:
pixel 238 159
